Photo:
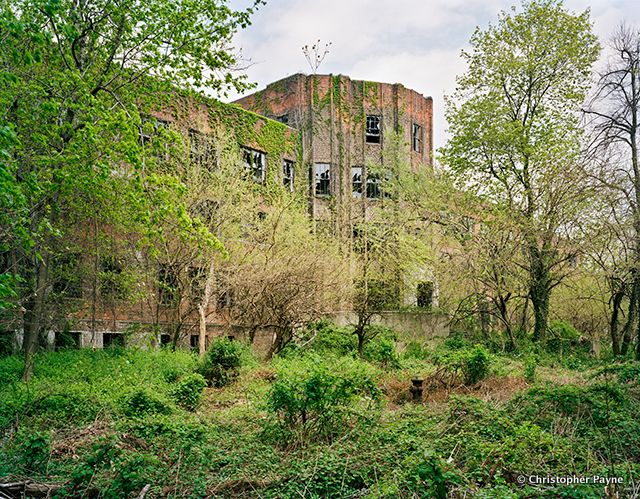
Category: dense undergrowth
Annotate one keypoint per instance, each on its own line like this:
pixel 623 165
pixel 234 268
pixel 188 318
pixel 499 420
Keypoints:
pixel 319 422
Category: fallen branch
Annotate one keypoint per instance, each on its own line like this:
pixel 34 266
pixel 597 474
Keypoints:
pixel 29 487
pixel 144 491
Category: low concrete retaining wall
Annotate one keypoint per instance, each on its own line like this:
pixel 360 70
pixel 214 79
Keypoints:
pixel 421 327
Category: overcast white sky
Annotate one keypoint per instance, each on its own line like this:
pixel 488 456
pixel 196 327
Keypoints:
pixel 413 42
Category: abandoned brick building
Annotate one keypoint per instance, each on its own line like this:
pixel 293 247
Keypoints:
pixel 344 125
pixel 334 130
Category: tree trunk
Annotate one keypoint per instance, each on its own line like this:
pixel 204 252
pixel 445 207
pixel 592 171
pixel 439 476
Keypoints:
pixel 34 318
pixel 539 292
pixel 360 335
pixel 202 310
pixel 202 331
pixel 504 316
pixel 627 331
pixel 283 336
pixel 616 299
pixel 638 342
pixel 484 319
pixel 540 301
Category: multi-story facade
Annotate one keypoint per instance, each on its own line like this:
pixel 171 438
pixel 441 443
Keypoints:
pixel 352 132
pixel 99 311
pixel 321 135
pixel 344 125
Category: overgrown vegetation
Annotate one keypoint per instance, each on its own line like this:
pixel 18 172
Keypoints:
pixel 317 420
pixel 125 191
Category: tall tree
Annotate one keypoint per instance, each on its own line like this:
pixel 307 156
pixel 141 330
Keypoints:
pixel 76 75
pixel 392 247
pixel 515 135
pixel 615 123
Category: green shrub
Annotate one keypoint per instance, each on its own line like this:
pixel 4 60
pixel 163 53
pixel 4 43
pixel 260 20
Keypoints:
pixel 382 349
pixel 468 366
pixel 34 449
pixel 564 338
pixel 222 362
pixel 456 341
pixel 624 373
pixel 428 478
pixel 590 406
pixel 6 343
pixel 10 369
pixel 415 350
pixel 320 401
pixel 69 404
pixel 530 364
pixel 324 336
pixel 112 470
pixel 188 391
pixel 142 402
pixel 476 365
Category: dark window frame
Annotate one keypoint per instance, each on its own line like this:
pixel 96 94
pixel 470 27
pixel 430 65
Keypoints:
pixel 373 129
pixel 322 184
pixel 357 174
pixel 146 138
pixel 373 186
pixel 288 173
pixel 257 169
pixel 110 282
pixel 417 138
pixel 168 285
pixel 424 294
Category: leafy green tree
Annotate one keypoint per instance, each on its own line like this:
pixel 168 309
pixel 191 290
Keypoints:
pixel 392 244
pixel 11 200
pixel 515 134
pixel 77 79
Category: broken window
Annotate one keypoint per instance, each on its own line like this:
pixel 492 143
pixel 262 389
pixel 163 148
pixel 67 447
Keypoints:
pixel 66 339
pixel 416 137
pixel 356 181
pixel 373 129
pixel 254 163
pixel 424 294
pixel 323 172
pixel 287 174
pixel 167 285
pixel 113 340
pixel 373 185
pixel 194 342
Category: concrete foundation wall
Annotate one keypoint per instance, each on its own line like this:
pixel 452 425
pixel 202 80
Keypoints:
pixel 421 327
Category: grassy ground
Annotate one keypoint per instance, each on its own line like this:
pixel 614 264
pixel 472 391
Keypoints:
pixel 318 423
